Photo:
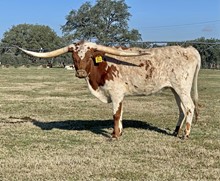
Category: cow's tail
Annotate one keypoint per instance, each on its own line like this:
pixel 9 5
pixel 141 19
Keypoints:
pixel 195 96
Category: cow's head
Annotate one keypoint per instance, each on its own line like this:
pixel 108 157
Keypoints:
pixel 86 54
pixel 84 63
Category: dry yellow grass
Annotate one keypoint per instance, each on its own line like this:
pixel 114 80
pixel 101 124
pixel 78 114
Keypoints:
pixel 52 128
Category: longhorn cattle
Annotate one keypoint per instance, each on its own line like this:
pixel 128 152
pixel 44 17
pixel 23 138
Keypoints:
pixel 112 73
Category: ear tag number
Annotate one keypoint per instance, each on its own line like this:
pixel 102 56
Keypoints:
pixel 98 59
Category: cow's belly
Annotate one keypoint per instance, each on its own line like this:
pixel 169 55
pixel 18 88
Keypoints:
pixel 140 85
pixel 142 89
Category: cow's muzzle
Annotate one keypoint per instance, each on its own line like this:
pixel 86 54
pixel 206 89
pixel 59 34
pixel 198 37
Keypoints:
pixel 81 73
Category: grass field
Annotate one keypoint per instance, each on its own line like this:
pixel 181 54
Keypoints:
pixel 52 128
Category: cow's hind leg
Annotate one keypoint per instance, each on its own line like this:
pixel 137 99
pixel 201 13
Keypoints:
pixel 181 114
pixel 117 116
pixel 189 107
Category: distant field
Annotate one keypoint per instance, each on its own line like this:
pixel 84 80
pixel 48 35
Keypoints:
pixel 52 128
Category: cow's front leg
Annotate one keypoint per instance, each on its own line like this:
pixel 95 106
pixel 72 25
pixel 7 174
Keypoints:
pixel 117 116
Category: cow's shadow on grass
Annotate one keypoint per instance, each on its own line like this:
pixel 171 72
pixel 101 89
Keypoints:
pixel 96 126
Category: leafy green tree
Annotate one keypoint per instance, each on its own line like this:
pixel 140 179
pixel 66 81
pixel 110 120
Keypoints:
pixel 105 22
pixel 32 37
pixel 209 51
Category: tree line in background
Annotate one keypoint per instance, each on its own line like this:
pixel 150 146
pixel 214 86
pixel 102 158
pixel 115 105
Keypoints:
pixel 37 38
pixel 105 22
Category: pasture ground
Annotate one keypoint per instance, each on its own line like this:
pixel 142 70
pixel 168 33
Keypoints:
pixel 52 128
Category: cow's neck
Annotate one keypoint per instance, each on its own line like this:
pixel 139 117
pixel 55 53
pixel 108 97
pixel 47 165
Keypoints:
pixel 97 74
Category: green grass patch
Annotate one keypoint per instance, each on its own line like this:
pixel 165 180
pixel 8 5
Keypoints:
pixel 52 128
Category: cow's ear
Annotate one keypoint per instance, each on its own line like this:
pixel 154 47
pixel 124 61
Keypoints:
pixel 98 56
pixel 98 59
pixel 97 53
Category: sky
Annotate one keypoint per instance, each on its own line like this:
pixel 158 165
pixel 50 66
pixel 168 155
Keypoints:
pixel 156 20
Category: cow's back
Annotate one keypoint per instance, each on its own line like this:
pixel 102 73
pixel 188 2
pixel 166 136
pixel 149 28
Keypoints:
pixel 164 67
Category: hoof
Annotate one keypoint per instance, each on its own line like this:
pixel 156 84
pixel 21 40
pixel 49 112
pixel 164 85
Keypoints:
pixel 114 139
pixel 114 135
pixel 185 137
pixel 175 134
pixel 177 131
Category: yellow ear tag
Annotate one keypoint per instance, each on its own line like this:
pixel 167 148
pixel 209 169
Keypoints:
pixel 98 59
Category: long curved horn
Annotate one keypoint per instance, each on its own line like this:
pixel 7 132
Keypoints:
pixel 120 52
pixel 47 54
